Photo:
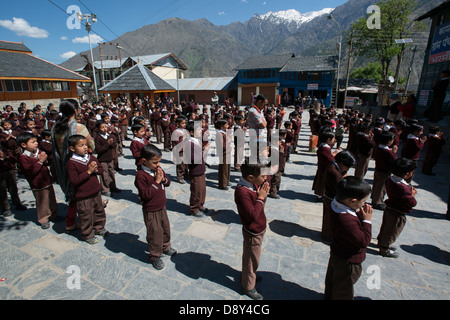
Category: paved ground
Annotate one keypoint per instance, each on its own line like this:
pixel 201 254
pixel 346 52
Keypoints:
pixel 39 264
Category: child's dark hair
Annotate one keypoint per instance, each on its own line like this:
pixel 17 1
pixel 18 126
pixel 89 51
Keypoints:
pixel 352 187
pixel 99 123
pixel 150 151
pixel 180 119
pixel 24 138
pixel 386 137
pixel 25 121
pixel 415 127
pixel 4 121
pixel 46 133
pixel 346 158
pixel 287 124
pixel 402 166
pixel 73 140
pixel 251 169
pixel 434 129
pixel 220 123
pixel 136 127
pixel 325 135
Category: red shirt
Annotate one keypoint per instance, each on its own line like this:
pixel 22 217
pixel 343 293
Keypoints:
pixel 86 185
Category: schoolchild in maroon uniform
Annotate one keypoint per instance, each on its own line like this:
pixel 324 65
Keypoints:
pixel 11 152
pixel 33 164
pixel 275 182
pixel 151 182
pixel 401 199
pixel 364 149
pixel 324 159
pixel 178 136
pixel 197 170
pixel 105 144
pixel 156 121
pixel 434 143
pixel 289 139
pixel 167 133
pixel 115 130
pixel 45 144
pixel 351 230
pixel 414 143
pixel 83 170
pixel 223 144
pixel 384 157
pixel 296 126
pixel 138 142
pixel 250 197
pixel 343 161
pixel 397 130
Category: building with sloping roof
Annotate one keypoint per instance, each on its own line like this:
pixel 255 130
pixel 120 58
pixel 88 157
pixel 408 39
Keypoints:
pixel 202 89
pixel 283 77
pixel 137 81
pixel 29 79
pixel 164 65
pixel 437 55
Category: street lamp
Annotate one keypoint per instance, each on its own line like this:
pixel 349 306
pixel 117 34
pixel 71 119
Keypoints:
pixel 89 18
pixel 330 17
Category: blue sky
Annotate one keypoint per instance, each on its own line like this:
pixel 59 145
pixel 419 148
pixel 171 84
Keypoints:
pixel 42 24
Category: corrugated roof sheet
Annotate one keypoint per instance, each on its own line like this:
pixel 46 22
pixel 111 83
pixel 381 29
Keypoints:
pixel 204 84
pixel 137 78
pixel 265 62
pixel 311 63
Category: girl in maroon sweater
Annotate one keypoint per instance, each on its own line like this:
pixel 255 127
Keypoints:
pixel 414 143
pixel 33 164
pixel 151 182
pixel 324 159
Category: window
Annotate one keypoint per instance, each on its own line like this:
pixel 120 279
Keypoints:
pixel 302 76
pixel 61 86
pixel 316 76
pixel 17 85
pixel 1 86
pixel 38 85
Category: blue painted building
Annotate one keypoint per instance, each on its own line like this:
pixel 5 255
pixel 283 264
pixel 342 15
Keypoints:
pixel 281 78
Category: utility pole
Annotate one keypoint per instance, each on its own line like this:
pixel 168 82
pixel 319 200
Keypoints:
pixel 350 52
pixel 101 61
pixel 409 71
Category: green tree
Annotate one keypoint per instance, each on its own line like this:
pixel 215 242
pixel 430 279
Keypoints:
pixel 372 70
pixel 379 43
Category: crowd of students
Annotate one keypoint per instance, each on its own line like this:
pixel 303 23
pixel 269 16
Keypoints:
pixel 93 148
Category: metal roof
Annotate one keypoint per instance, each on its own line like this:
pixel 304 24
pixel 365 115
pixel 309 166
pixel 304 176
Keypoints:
pixel 311 63
pixel 24 65
pixel 137 78
pixel 204 84
pixel 265 62
pixel 13 46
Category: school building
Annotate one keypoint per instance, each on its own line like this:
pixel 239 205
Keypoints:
pixel 164 65
pixel 283 77
pixel 437 55
pixel 29 79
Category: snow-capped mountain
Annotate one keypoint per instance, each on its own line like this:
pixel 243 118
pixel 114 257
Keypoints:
pixel 293 16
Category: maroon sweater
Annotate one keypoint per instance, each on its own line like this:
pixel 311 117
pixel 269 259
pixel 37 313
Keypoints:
pixel 86 185
pixel 152 194
pixel 250 208
pixel 412 148
pixel 136 147
pixel 384 159
pixel 196 169
pixel 351 235
pixel 37 174
pixel 103 149
pixel 399 196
